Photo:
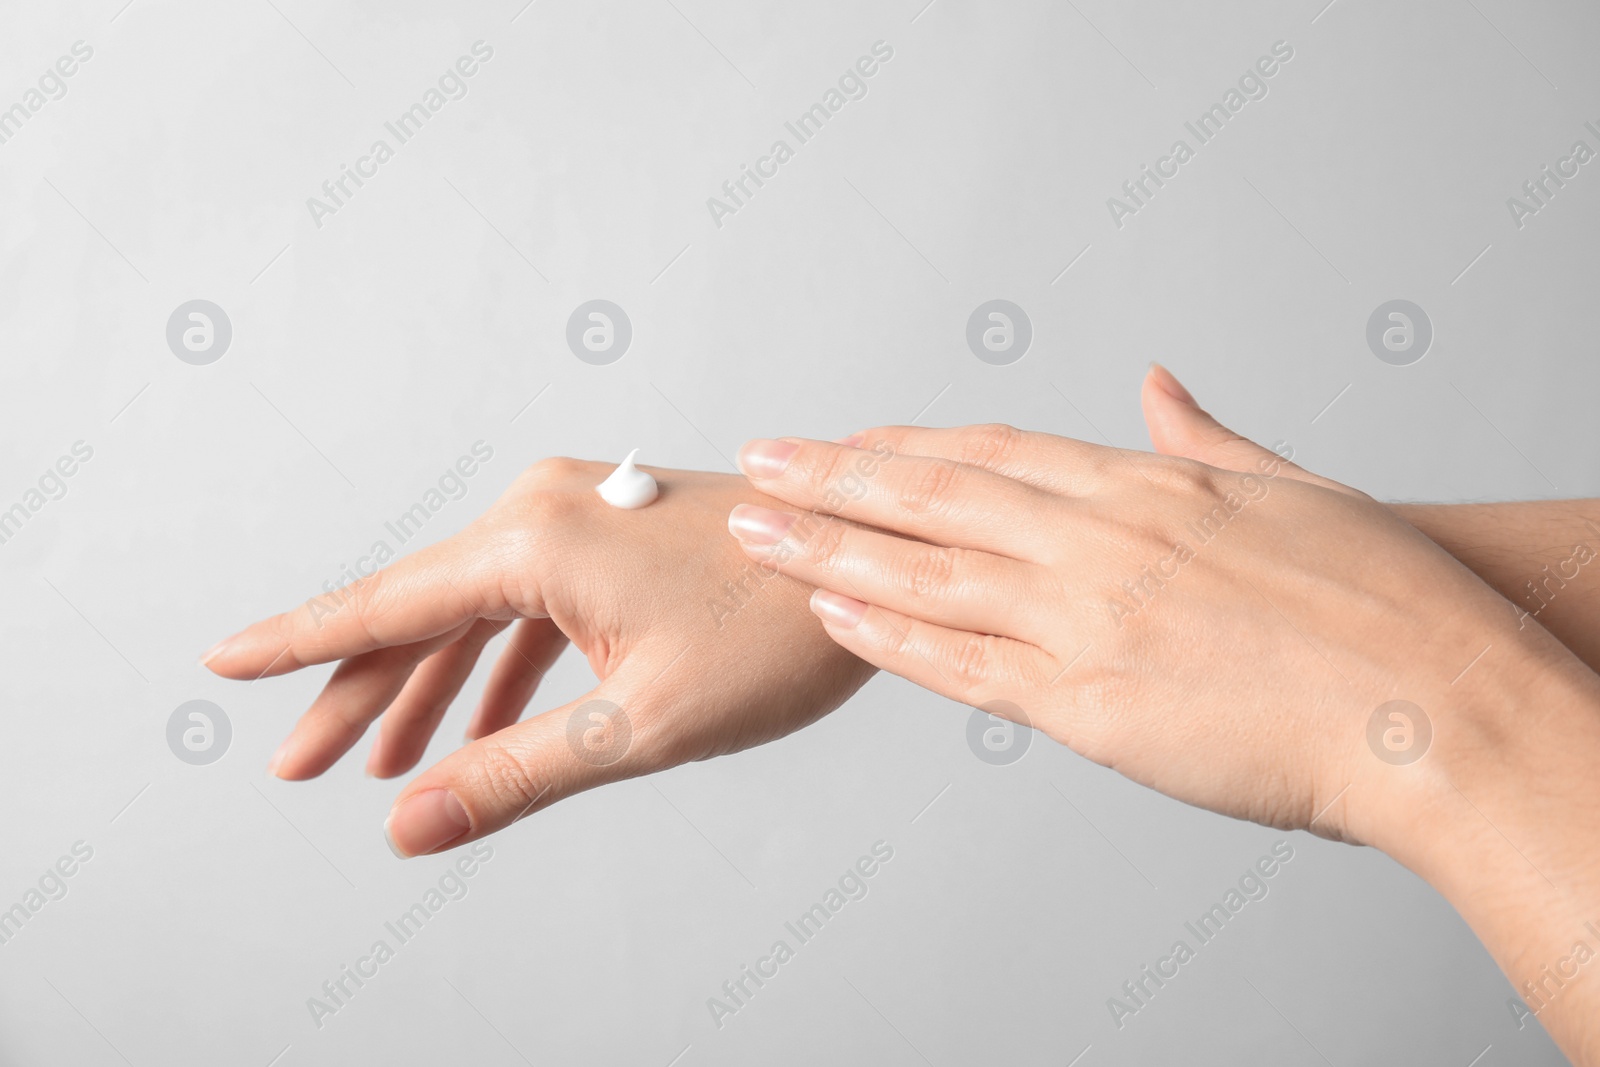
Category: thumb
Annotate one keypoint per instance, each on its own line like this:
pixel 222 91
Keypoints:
pixel 1180 427
pixel 497 780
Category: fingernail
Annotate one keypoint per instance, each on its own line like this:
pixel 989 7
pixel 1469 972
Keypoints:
pixel 838 610
pixel 757 525
pixel 388 839
pixel 425 822
pixel 853 441
pixel 1170 385
pixel 766 459
pixel 277 760
pixel 215 650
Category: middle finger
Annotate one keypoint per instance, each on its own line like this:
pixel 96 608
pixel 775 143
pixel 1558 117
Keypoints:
pixel 960 588
pixel 935 500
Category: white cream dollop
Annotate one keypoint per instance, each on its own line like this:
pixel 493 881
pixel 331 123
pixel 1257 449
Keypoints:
pixel 628 486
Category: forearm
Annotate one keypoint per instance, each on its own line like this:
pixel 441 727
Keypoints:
pixel 1505 825
pixel 1543 556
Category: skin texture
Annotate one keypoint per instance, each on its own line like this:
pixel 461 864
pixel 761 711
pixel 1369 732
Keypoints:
pixel 1242 682
pixel 1235 665
pixel 1519 860
pixel 1099 592
pixel 704 653
pixel 1524 550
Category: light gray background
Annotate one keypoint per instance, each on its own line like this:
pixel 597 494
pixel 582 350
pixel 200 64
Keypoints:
pixel 370 353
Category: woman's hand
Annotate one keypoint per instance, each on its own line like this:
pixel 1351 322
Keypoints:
pixel 698 652
pixel 1224 636
pixel 1231 635
pixel 1535 553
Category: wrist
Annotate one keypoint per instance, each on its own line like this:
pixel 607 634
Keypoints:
pixel 1500 817
pixel 1512 747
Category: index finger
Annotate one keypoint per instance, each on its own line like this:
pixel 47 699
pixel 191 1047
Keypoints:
pixel 1043 460
pixel 936 500
pixel 421 596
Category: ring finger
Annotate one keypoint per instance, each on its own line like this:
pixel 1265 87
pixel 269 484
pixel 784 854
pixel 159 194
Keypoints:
pixel 359 691
pixel 409 724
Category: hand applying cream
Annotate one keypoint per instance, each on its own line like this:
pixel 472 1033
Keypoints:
pixel 628 486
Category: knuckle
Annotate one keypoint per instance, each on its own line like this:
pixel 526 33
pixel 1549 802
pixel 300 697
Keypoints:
pixel 826 545
pixel 545 494
pixel 507 551
pixel 931 490
pixel 549 472
pixel 1098 466
pixel 361 605
pixel 545 507
pixel 990 446
pixel 1113 685
pixel 513 543
pixel 889 440
pixel 971 662
pixel 898 641
pixel 930 573
pixel 1186 476
pixel 825 470
pixel 557 467
pixel 506 780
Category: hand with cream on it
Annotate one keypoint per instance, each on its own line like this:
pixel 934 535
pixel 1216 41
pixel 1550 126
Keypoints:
pixel 703 652
pixel 1227 635
pixel 628 487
